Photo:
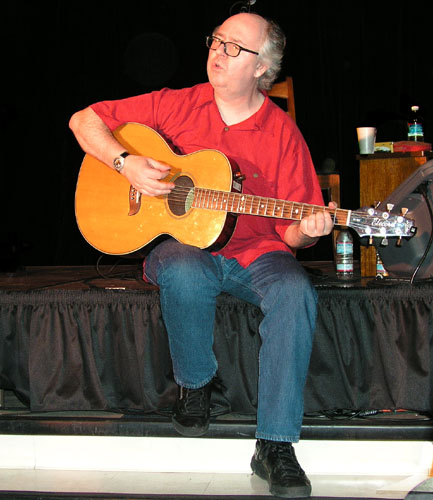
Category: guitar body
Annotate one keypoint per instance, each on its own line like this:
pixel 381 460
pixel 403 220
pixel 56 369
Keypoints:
pixel 103 198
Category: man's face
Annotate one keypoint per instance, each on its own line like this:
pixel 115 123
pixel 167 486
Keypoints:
pixel 237 74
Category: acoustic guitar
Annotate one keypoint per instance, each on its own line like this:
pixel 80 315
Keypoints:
pixel 201 210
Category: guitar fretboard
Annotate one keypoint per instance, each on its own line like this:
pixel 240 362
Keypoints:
pixel 240 203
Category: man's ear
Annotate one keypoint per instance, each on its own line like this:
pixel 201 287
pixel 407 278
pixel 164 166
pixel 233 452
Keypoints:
pixel 260 69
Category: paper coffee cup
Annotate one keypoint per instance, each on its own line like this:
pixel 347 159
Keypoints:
pixel 366 139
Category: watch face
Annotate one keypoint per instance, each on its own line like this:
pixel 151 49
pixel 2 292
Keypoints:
pixel 118 163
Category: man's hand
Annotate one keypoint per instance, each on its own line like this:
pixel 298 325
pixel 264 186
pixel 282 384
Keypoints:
pixel 310 229
pixel 146 175
pixel 318 224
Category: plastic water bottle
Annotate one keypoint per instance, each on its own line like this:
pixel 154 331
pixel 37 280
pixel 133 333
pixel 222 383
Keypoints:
pixel 415 130
pixel 344 254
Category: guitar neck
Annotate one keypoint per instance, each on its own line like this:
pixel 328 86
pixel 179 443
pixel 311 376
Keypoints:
pixel 239 203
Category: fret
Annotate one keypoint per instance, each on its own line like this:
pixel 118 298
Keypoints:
pixel 250 203
pixel 222 201
pixel 335 216
pixel 349 214
pixel 234 197
pixel 238 203
pixel 197 192
pixel 203 198
pixel 291 210
pixel 210 199
pixel 216 199
pixel 302 212
pixel 241 203
pixel 296 211
pixel 230 200
pixel 207 198
pixel 226 201
pixel 237 200
pixel 254 205
pixel 244 203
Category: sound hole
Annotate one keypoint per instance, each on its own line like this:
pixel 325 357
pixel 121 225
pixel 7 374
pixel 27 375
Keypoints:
pixel 181 198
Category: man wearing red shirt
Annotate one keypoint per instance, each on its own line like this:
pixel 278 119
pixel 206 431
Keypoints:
pixel 231 113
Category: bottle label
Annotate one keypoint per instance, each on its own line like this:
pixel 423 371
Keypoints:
pixel 415 130
pixel 344 247
pixel 344 267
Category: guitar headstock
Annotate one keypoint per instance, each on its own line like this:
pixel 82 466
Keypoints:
pixel 372 223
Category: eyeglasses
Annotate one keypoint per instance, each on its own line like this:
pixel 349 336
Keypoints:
pixel 230 48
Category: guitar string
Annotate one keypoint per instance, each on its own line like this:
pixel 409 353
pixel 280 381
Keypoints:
pixel 180 194
pixel 306 209
pixel 252 200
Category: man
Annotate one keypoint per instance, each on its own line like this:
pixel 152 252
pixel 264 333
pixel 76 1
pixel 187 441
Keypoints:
pixel 231 113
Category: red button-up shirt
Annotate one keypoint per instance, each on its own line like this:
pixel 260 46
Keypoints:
pixel 267 147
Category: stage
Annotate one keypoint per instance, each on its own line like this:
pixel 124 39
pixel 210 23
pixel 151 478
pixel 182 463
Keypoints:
pixel 84 350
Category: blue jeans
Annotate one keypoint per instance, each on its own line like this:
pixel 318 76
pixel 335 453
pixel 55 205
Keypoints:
pixel 190 280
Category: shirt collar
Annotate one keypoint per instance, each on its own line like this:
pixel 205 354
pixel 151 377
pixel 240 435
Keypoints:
pixel 254 122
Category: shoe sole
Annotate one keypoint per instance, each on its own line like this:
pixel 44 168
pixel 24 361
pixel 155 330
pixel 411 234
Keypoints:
pixel 189 431
pixel 280 491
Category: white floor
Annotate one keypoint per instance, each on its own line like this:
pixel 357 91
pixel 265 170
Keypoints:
pixel 76 464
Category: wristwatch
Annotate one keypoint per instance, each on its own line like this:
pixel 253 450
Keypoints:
pixel 119 161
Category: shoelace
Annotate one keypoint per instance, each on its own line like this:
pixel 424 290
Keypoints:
pixel 194 400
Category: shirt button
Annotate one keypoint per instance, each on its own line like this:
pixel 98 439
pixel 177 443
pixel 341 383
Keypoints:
pixel 226 129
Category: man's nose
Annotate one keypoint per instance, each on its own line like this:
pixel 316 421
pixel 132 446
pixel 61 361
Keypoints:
pixel 221 49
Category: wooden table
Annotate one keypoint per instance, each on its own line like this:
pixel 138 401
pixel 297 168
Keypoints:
pixel 379 175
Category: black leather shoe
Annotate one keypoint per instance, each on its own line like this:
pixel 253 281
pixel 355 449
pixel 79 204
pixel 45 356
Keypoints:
pixel 192 411
pixel 276 462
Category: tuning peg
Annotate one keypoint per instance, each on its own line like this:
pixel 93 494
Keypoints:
pixel 370 240
pixel 404 211
pixel 384 242
pixel 376 204
pixel 389 206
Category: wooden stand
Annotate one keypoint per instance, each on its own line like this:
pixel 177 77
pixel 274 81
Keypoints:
pixel 379 175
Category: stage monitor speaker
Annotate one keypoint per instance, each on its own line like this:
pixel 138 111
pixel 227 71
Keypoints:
pixel 413 260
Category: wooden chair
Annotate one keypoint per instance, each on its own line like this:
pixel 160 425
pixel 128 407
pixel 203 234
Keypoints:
pixel 329 182
pixel 284 90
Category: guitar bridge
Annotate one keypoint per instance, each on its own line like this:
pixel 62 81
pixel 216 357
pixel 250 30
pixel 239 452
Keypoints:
pixel 134 201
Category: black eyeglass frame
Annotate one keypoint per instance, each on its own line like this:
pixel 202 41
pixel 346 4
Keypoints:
pixel 210 39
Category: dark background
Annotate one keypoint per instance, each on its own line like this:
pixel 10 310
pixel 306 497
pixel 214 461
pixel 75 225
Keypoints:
pixel 353 63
